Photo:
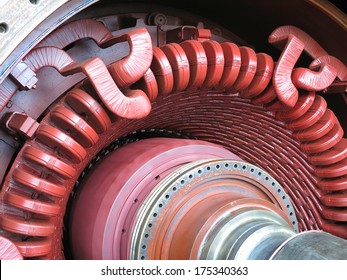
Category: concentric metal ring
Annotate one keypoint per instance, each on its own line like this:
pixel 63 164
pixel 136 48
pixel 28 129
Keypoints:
pixel 156 220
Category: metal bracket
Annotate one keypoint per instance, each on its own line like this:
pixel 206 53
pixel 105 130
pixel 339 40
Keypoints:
pixel 24 76
pixel 184 33
pixel 20 124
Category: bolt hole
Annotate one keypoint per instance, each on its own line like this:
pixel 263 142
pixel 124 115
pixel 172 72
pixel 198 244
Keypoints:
pixel 235 165
pixel 252 169
pixel 123 230
pixel 150 225
pixel 136 200
pixel 190 176
pixel 266 178
pixel 217 166
pixel 3 27
pixel 291 213
pixel 143 257
pixel 208 168
pixel 199 171
pixel 157 177
pixel 34 2
pixel 279 190
pixel 293 222
pixel 244 167
pixel 283 197
pixel 167 196
pixel 226 165
pixel 155 215
pixel 144 247
pixel 160 205
pixel 174 189
pixel 182 182
pixel 288 206
pixel 146 235
pixel 259 173
pixel 273 183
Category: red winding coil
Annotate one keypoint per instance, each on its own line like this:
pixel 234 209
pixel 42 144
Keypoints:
pixel 311 46
pixel 44 171
pixel 232 64
pixel 334 62
pixel 309 80
pixel 179 65
pixel 286 91
pixel 197 62
pixel 162 71
pixel 215 61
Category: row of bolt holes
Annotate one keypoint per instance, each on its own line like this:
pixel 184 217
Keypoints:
pixel 208 168
pixel 4 26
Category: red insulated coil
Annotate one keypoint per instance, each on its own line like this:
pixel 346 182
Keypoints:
pixel 162 71
pixel 131 68
pixel 84 105
pixel 292 135
pixel 215 62
pixel 78 127
pixel 38 184
pixel 286 91
pixel 262 78
pixel 38 204
pixel 197 62
pixel 266 97
pixel 35 247
pixel 334 62
pixel 247 71
pixel 179 65
pixel 149 85
pixel 311 46
pixel 232 64
pixel 309 80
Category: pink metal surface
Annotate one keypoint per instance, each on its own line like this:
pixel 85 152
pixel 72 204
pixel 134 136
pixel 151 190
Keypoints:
pixel 115 189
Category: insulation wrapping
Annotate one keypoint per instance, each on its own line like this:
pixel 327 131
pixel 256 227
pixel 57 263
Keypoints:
pixel 215 62
pixel 8 250
pixel 309 80
pixel 286 91
pixel 312 48
pixel 334 62
pixel 131 68
pixel 74 31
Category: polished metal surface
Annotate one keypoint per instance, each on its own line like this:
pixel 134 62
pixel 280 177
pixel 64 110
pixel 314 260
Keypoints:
pixel 312 245
pixel 248 235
